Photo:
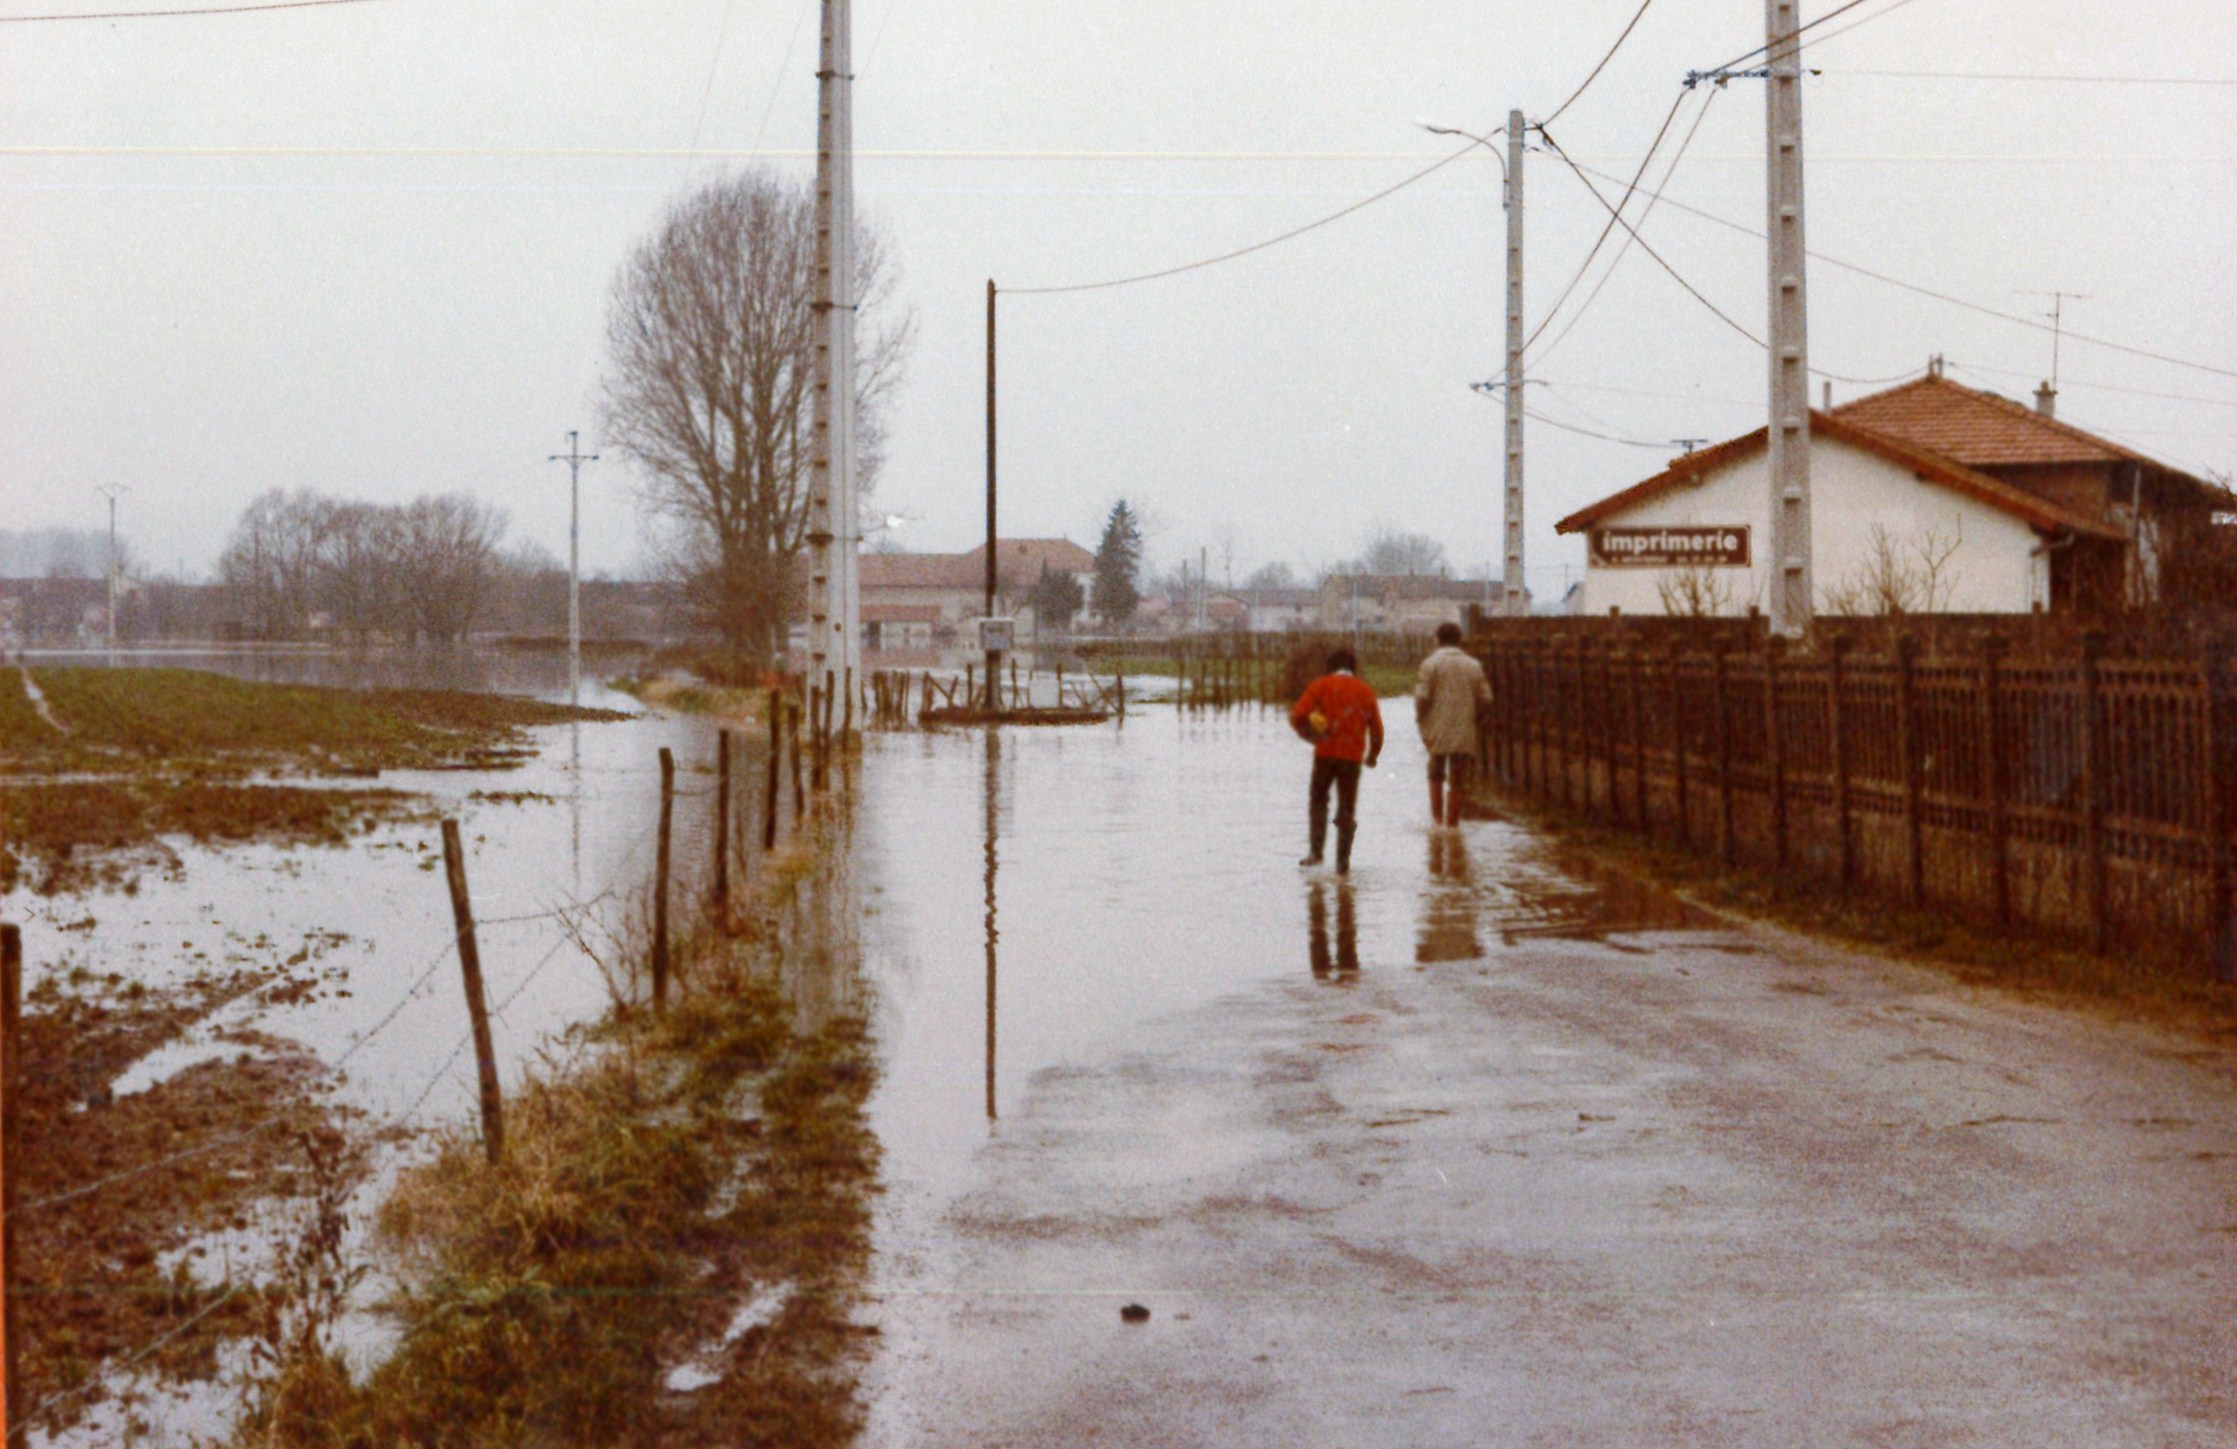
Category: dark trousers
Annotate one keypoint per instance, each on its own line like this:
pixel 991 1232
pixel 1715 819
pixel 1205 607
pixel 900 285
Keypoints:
pixel 1344 775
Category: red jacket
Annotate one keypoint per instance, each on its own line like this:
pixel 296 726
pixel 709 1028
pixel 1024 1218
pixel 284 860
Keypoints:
pixel 1354 720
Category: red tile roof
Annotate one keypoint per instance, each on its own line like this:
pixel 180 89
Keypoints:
pixel 917 571
pixel 2039 512
pixel 1978 429
pixel 1023 558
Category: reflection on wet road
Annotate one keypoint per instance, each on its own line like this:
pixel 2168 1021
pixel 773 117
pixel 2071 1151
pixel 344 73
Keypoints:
pixel 1521 1155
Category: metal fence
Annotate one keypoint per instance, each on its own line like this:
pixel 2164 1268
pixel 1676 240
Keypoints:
pixel 2081 796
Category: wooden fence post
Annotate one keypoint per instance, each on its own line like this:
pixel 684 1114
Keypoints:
pixel 846 720
pixel 1907 752
pixel 1837 685
pixel 1720 676
pixel 1640 808
pixel 2221 891
pixel 1608 713
pixel 2093 793
pixel 799 788
pixel 660 881
pixel 11 1082
pixel 477 1008
pixel 1996 818
pixel 1678 741
pixel 775 785
pixel 1774 744
pixel 722 823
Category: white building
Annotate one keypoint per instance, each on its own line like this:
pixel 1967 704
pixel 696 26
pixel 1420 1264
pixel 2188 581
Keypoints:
pixel 1929 497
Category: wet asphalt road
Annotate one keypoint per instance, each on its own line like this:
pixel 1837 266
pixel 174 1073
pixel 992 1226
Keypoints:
pixel 1559 1163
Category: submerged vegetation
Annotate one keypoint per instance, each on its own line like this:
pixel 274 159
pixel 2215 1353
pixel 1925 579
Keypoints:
pixel 689 1192
pixel 106 762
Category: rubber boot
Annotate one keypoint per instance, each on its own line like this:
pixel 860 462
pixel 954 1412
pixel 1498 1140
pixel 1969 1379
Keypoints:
pixel 1452 807
pixel 1318 838
pixel 1344 835
pixel 1436 802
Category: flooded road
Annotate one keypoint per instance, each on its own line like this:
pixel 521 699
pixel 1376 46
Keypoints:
pixel 1473 1149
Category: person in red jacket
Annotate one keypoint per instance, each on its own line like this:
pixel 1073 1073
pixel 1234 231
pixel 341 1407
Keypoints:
pixel 1338 716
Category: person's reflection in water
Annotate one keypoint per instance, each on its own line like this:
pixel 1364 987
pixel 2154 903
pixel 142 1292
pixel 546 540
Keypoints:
pixel 1344 960
pixel 1448 922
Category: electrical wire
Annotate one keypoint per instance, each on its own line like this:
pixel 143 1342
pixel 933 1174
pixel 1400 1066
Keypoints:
pixel 1691 290
pixel 1860 20
pixel 1590 297
pixel 2066 332
pixel 1745 56
pixel 1658 446
pixel 1991 75
pixel 1625 200
pixel 1360 205
pixel 2066 382
pixel 1586 83
pixel 776 85
pixel 176 13
pixel 714 65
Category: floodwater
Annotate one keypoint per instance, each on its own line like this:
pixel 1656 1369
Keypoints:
pixel 554 863
pixel 1475 1148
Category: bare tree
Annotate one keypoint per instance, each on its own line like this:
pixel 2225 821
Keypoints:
pixel 710 351
pixel 1695 591
pixel 1392 552
pixel 1908 576
pixel 448 563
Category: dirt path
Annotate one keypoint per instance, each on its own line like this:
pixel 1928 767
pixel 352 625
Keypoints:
pixel 1509 1184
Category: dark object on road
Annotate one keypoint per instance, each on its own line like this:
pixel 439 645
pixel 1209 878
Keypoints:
pixel 1135 1313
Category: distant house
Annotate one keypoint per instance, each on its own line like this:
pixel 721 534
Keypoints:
pixel 915 605
pixel 1401 603
pixel 1927 497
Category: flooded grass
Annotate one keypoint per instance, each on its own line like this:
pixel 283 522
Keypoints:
pixel 1973 954
pixel 184 719
pixel 673 1168
pixel 200 1152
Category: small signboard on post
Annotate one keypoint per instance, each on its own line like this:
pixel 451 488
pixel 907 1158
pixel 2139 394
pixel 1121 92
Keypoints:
pixel 1719 545
pixel 998 636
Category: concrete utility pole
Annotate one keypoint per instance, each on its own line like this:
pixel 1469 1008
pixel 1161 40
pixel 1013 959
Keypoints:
pixel 112 492
pixel 574 458
pixel 834 531
pixel 1517 593
pixel 1791 597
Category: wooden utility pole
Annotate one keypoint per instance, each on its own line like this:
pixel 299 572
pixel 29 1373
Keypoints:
pixel 993 655
pixel 1790 592
pixel 477 1005
pixel 11 1077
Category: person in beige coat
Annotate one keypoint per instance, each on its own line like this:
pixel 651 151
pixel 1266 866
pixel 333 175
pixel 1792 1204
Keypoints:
pixel 1451 697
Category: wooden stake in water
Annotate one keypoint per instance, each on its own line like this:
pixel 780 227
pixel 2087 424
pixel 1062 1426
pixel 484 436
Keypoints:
pixel 722 823
pixel 11 1077
pixel 660 881
pixel 776 754
pixel 477 1008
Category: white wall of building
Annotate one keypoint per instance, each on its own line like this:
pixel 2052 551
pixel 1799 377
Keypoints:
pixel 1991 569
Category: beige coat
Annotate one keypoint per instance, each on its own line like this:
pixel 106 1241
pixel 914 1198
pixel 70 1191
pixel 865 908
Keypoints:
pixel 1451 689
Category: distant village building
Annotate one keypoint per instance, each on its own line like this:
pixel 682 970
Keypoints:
pixel 1402 603
pixel 915 606
pixel 1930 497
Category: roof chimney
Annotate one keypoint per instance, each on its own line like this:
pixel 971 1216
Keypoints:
pixel 2046 400
pixel 1828 396
pixel 1934 365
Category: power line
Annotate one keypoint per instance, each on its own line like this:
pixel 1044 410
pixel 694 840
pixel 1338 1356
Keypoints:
pixel 1594 294
pixel 1658 445
pixel 1860 20
pixel 1691 290
pixel 169 14
pixel 1260 246
pixel 1745 56
pixel 2212 402
pixel 1625 200
pixel 1898 282
pixel 1586 83
pixel 1992 75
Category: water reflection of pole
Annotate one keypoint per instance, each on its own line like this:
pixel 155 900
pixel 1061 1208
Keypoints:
pixel 993 766
pixel 575 801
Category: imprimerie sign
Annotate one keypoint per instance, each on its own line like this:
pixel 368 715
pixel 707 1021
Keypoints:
pixel 1713 545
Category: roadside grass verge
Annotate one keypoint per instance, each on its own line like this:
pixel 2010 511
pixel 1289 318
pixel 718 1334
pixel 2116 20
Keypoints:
pixel 664 1174
pixel 2024 965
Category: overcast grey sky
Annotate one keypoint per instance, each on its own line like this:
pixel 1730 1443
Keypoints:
pixel 366 248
